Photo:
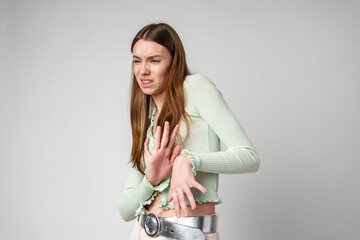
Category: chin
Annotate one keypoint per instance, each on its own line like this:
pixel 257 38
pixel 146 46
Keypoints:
pixel 146 92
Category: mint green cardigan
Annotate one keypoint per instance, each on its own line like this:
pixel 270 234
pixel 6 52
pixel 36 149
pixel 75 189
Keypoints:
pixel 212 122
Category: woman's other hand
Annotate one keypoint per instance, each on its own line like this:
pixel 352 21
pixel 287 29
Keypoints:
pixel 182 179
pixel 159 163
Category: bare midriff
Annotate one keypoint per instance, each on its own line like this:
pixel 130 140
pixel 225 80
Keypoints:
pixel 201 209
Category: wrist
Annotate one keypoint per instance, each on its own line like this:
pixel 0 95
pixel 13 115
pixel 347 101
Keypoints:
pixel 151 181
pixel 184 159
pixel 158 187
pixel 187 155
pixel 194 160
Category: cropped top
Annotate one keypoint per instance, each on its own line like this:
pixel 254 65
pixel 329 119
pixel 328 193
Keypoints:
pixel 212 121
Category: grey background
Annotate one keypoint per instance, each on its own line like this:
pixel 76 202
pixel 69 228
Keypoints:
pixel 289 70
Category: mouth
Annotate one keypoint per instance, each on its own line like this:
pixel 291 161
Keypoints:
pixel 146 80
pixel 146 83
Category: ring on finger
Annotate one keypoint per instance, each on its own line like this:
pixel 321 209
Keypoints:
pixel 174 195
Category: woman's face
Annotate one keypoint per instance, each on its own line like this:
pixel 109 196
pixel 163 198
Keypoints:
pixel 151 65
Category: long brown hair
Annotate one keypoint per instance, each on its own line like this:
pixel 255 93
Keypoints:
pixel 173 108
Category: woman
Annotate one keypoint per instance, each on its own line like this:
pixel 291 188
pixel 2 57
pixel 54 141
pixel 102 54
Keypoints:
pixel 178 120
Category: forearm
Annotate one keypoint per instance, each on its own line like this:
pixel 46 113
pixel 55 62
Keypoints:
pixel 131 198
pixel 240 159
pixel 137 191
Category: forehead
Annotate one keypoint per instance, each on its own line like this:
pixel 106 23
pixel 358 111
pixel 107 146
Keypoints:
pixel 144 48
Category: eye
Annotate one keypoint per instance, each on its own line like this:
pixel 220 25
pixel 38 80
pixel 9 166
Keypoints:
pixel 155 61
pixel 136 61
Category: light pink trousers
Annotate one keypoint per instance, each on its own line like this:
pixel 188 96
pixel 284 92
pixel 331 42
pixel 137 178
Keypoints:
pixel 138 233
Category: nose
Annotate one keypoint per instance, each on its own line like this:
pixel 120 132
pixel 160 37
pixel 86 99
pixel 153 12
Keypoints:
pixel 144 70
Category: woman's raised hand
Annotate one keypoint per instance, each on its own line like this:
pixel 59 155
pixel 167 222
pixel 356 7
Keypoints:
pixel 160 161
pixel 182 179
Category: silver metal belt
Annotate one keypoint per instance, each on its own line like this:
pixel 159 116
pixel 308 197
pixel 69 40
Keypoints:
pixel 192 227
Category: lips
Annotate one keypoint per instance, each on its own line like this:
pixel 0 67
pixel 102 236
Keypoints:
pixel 146 84
pixel 146 80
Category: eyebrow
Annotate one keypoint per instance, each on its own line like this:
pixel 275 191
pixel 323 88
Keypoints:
pixel 134 56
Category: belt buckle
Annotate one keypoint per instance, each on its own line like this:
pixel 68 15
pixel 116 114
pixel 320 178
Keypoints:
pixel 152 225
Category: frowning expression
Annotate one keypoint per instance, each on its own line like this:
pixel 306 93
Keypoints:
pixel 151 64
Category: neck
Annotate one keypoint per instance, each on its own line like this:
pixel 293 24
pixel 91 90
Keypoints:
pixel 158 100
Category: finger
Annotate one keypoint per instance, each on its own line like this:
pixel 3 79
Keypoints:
pixel 173 136
pixel 165 137
pixel 146 146
pixel 169 196
pixel 175 153
pixel 199 186
pixel 176 206
pixel 191 198
pixel 183 204
pixel 157 138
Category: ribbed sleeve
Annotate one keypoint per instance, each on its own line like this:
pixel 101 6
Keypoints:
pixel 136 192
pixel 240 156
